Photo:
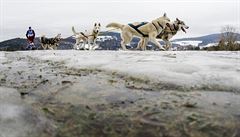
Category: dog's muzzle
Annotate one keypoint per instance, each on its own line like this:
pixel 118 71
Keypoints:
pixel 183 28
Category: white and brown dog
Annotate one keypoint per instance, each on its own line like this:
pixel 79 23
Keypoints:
pixel 149 30
pixel 83 38
pixel 166 34
pixel 50 43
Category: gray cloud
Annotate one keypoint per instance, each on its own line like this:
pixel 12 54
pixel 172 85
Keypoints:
pixel 50 17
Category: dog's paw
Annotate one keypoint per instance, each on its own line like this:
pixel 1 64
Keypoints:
pixel 162 49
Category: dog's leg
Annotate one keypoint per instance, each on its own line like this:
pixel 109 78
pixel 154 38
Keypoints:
pixel 84 45
pixel 50 47
pixel 139 46
pixel 168 44
pixel 43 46
pixel 152 37
pixel 94 45
pixel 80 46
pixel 126 39
pixel 74 46
pixel 55 47
pixel 157 43
pixel 91 44
pixel 144 44
pixel 78 41
pixel 46 47
pixel 123 45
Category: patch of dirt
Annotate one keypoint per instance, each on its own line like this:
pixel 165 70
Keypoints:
pixel 92 102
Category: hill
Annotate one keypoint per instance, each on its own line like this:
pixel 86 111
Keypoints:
pixel 113 43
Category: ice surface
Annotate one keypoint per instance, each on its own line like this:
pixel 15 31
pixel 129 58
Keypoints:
pixel 211 70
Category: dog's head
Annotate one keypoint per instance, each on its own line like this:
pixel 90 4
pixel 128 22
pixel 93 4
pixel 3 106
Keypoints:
pixel 165 19
pixel 58 38
pixel 97 27
pixel 42 38
pixel 181 24
pixel 58 35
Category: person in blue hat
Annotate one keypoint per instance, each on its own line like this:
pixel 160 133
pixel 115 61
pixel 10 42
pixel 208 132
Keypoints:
pixel 30 37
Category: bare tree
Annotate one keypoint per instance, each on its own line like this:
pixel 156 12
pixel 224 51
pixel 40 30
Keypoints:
pixel 229 34
pixel 228 40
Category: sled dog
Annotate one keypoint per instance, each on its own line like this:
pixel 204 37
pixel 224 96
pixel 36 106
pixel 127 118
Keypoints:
pixel 50 43
pixel 149 30
pixel 166 34
pixel 83 38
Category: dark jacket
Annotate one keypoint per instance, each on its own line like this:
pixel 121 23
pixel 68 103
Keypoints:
pixel 30 33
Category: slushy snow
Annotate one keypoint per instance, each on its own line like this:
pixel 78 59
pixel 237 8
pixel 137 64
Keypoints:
pixel 197 70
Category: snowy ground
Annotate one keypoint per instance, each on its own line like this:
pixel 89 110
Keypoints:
pixel 188 42
pixel 187 70
pixel 118 93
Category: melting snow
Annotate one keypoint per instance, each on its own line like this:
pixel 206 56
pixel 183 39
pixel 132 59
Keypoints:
pixel 187 43
pixel 184 68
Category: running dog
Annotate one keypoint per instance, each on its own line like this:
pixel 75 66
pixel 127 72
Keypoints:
pixel 50 43
pixel 148 30
pixel 166 34
pixel 84 38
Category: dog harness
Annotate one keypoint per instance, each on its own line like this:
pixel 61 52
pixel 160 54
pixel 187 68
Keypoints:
pixel 175 27
pixel 83 34
pixel 137 26
pixel 174 30
pixel 156 26
pixel 165 32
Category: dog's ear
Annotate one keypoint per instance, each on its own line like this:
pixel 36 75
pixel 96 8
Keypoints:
pixel 177 19
pixel 99 24
pixel 165 14
pixel 95 24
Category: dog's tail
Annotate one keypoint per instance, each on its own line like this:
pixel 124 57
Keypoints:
pixel 73 30
pixel 115 25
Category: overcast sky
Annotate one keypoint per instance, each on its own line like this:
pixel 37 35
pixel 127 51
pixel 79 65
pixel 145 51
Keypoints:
pixel 50 17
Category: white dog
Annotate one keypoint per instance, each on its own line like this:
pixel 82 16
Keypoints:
pixel 149 30
pixel 84 38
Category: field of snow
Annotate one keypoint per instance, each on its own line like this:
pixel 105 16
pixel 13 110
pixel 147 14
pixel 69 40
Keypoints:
pixel 188 70
pixel 119 93
pixel 187 43
pixel 209 45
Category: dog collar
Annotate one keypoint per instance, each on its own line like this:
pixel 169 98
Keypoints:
pixel 175 27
